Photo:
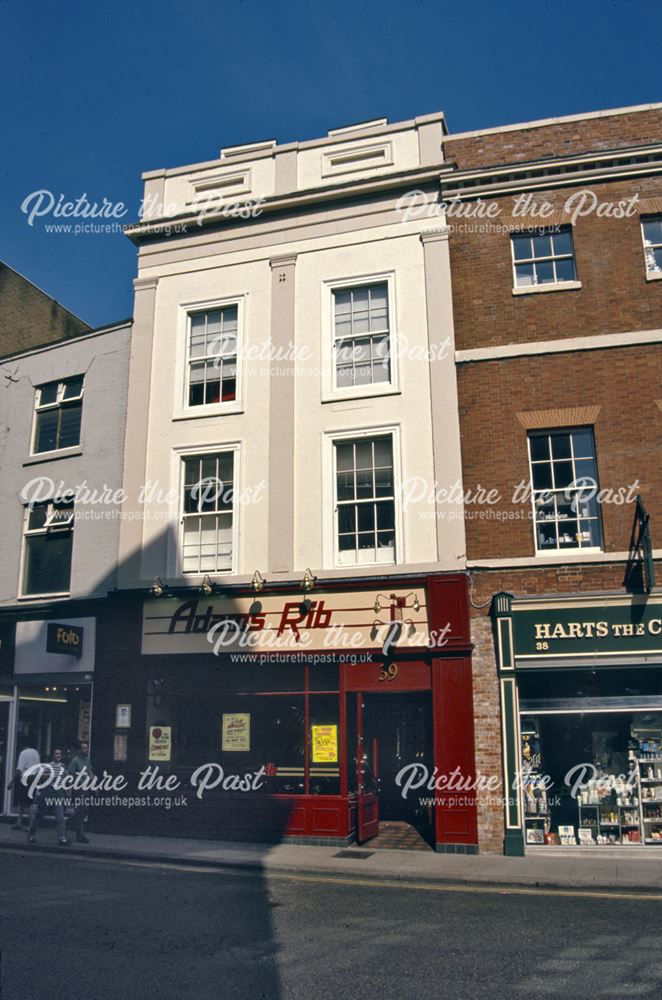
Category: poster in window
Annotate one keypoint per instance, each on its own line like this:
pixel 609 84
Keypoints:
pixel 84 719
pixel 236 732
pixel 160 742
pixel 122 717
pixel 121 746
pixel 325 744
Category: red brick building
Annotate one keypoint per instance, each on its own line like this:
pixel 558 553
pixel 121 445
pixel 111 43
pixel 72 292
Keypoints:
pixel 557 303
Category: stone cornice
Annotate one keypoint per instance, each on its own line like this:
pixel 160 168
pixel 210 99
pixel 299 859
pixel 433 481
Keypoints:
pixel 292 201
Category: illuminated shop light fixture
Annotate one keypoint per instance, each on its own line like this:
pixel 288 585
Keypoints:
pixel 207 587
pixel 158 588
pixel 258 582
pixel 308 581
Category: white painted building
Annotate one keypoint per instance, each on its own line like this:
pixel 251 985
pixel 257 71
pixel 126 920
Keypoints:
pixel 288 352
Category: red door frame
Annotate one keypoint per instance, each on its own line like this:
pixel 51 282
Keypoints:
pixel 368 802
pixel 449 681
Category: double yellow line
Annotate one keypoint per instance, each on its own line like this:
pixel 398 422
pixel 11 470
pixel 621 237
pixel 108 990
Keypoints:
pixel 380 883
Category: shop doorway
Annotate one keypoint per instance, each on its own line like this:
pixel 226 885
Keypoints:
pixel 391 731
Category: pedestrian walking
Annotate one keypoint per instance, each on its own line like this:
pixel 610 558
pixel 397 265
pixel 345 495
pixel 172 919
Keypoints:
pixel 51 796
pixel 80 764
pixel 27 758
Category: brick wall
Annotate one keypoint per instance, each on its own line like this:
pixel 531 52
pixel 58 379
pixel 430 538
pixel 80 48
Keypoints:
pixel 615 296
pixel 623 382
pixel 487 734
pixel 638 128
pixel 29 317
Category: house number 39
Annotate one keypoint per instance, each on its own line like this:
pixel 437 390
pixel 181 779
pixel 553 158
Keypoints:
pixel 388 673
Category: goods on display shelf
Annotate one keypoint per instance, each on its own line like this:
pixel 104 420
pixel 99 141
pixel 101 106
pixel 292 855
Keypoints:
pixel 536 806
pixel 623 808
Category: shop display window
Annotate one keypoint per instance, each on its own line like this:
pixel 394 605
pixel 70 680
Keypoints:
pixel 592 778
pixel 54 715
pixel 281 716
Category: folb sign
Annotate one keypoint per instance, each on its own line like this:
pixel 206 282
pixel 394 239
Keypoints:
pixel 66 639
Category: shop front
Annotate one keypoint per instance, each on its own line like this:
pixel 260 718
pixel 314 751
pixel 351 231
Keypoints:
pixel 45 691
pixel 289 716
pixel 581 699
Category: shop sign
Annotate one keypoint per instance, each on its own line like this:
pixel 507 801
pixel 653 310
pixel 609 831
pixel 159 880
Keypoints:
pixel 160 742
pixel 66 639
pixel 63 647
pixel 281 623
pixel 325 744
pixel 236 732
pixel 595 629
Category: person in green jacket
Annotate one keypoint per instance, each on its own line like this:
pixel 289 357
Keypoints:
pixel 80 763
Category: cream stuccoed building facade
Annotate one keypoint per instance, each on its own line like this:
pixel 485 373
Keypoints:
pixel 293 463
pixel 332 224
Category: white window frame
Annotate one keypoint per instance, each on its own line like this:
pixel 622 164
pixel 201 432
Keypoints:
pixel 331 392
pixel 47 529
pixel 652 274
pixel 175 557
pixel 544 285
pixel 57 405
pixel 330 518
pixel 557 550
pixel 182 410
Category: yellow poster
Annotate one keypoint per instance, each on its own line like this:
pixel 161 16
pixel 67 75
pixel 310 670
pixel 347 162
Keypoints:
pixel 325 744
pixel 160 742
pixel 236 731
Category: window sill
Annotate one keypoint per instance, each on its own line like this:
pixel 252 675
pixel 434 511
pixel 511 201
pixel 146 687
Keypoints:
pixel 209 411
pixel 561 286
pixel 43 597
pixel 53 456
pixel 653 275
pixel 367 392
pixel 218 579
pixel 362 565
pixel 570 551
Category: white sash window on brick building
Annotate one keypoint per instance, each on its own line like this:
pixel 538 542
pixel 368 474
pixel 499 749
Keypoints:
pixel 564 480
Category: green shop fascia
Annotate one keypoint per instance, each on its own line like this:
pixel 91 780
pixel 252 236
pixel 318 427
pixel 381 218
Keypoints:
pixel 581 711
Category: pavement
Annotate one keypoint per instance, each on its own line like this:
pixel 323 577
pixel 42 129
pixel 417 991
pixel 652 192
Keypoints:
pixel 611 868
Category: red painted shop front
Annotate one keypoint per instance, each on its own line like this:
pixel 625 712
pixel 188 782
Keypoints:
pixel 324 737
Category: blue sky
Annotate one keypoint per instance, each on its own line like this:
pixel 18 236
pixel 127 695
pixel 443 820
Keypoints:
pixel 92 94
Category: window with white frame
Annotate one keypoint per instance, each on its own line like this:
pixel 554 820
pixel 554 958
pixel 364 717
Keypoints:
pixel 564 482
pixel 58 413
pixel 365 500
pixel 651 231
pixel 208 513
pixel 47 548
pixel 212 356
pixel 543 258
pixel 362 350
